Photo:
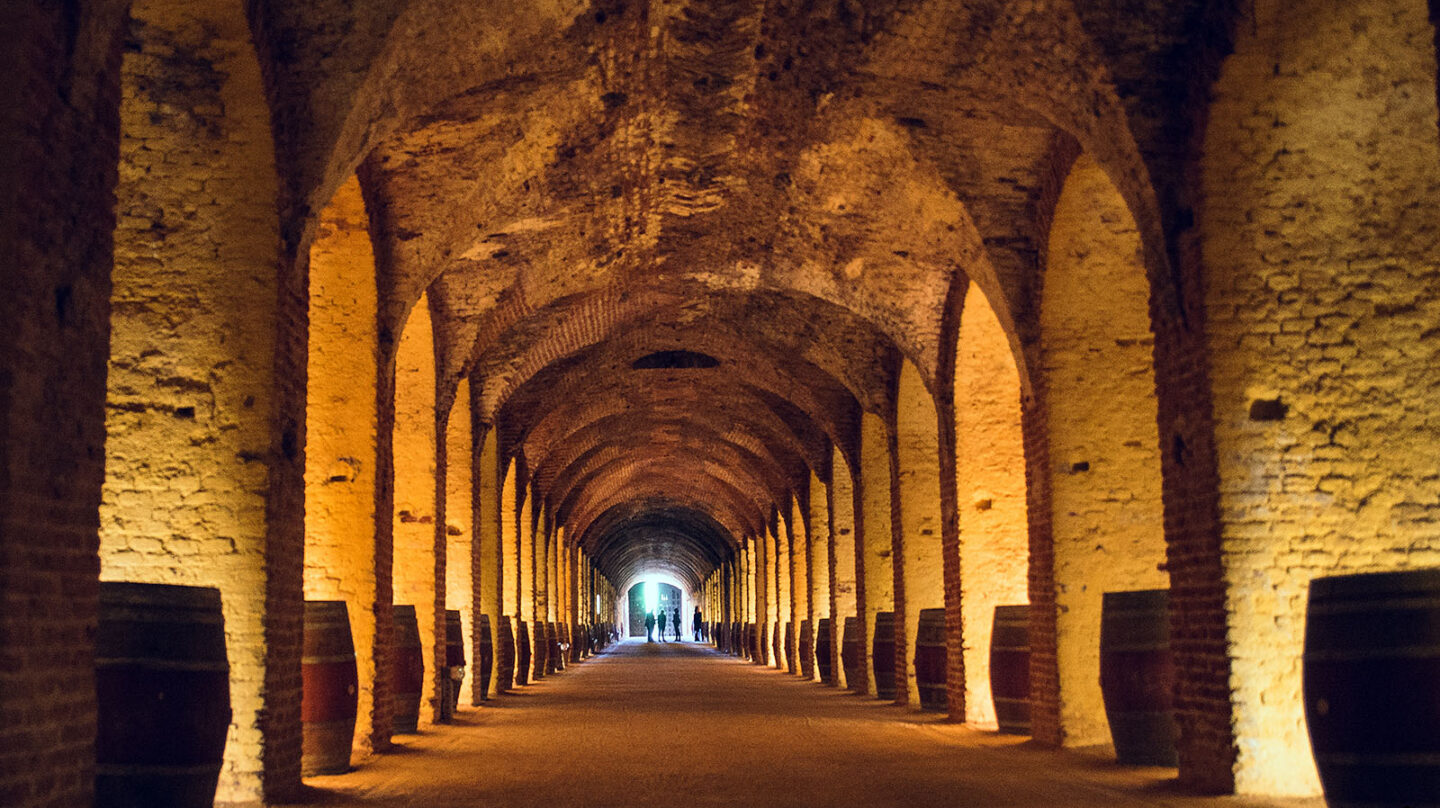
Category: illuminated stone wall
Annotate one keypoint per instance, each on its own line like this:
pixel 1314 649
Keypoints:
pixel 461 550
pixel 1104 444
pixel 192 389
pixel 509 543
pixel 799 579
pixel 843 586
pixel 784 581
pixel 1323 281
pixel 820 560
pixel 990 491
pixel 877 541
pixel 419 558
pixel 340 432
pixel 487 536
pixel 919 576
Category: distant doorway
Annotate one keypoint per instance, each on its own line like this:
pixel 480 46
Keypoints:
pixel 652 596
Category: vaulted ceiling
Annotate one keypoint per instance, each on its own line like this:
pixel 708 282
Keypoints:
pixel 679 246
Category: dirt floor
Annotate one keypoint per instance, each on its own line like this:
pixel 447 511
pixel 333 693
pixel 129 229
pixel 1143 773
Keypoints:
pixel 678 724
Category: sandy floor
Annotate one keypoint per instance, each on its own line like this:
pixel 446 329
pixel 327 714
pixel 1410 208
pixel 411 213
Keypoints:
pixel 681 725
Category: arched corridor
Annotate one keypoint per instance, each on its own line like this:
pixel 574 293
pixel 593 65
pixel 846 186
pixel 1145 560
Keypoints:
pixel 1042 387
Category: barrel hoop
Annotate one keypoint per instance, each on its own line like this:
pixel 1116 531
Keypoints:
pixel 146 663
pixel 326 660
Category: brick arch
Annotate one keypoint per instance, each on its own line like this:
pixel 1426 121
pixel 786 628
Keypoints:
pixel 611 541
pixel 654 436
pixel 649 489
pixel 774 368
pixel 720 403
pixel 626 478
pixel 205 422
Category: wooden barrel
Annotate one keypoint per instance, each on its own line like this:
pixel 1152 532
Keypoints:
pixel 484 657
pixel 931 661
pixel 574 635
pixel 505 652
pixel 823 650
pixel 407 670
pixel 882 654
pixel 1372 687
pixel 750 637
pixel 851 657
pixel 454 662
pixel 762 643
pixel 162 686
pixel 807 650
pixel 1137 676
pixel 1010 668
pixel 539 650
pixel 788 644
pixel 522 653
pixel 737 639
pixel 555 659
pixel 330 688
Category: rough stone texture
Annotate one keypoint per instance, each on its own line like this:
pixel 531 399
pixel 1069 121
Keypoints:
pixel 1325 302
pixel 340 432
pixel 1105 463
pixel 820 559
pixel 844 582
pixel 419 565
pixel 990 492
pixel 917 548
pixel 192 477
pixel 462 591
pixel 876 541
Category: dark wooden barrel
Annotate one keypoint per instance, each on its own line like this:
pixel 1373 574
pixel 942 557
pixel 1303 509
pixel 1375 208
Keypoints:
pixel 539 650
pixel 574 636
pixel 1010 668
pixel 930 660
pixel 484 657
pixel 505 653
pixel 750 637
pixel 1137 676
pixel 788 644
pixel 555 659
pixel 823 650
pixel 737 639
pixel 329 689
pixel 162 684
pixel 407 670
pixel 851 657
pixel 522 653
pixel 807 650
pixel 882 654
pixel 454 661
pixel 762 643
pixel 1372 687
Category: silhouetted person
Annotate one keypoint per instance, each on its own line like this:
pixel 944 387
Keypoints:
pixel 661 620
pixel 650 627
pixel 697 626
pixel 675 625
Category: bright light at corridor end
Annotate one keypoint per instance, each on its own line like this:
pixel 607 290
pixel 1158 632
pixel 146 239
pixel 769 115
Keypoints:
pixel 652 595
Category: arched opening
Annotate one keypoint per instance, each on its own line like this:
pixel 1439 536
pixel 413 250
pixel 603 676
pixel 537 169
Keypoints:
pixel 1105 505
pixel 1320 290
pixel 340 429
pixel 418 563
pixel 990 491
pixel 197 486
pixel 873 509
pixel 919 577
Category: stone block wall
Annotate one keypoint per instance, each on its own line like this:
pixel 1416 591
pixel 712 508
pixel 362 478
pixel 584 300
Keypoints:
pixel 1321 181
